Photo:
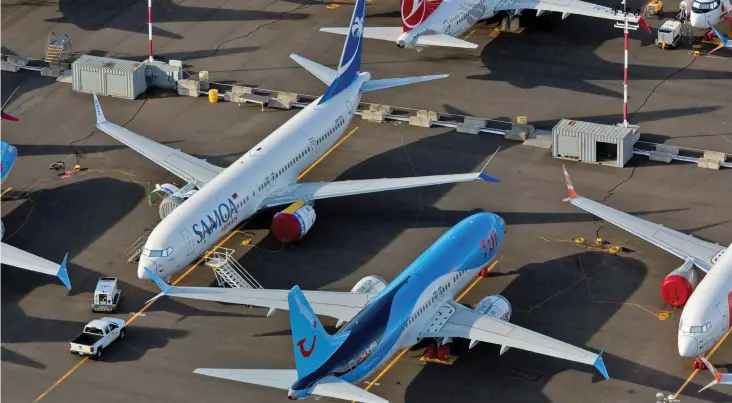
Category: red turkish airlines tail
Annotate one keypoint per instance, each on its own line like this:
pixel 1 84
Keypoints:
pixel 414 12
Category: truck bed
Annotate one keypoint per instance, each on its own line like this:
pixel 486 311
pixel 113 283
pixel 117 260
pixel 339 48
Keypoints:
pixel 86 339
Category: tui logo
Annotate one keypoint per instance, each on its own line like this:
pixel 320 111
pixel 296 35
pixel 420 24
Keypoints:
pixel 301 343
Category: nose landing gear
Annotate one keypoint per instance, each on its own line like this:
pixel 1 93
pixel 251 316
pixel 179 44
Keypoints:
pixel 698 364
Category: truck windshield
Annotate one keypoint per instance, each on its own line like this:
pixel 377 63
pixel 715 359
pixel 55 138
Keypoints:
pixel 94 330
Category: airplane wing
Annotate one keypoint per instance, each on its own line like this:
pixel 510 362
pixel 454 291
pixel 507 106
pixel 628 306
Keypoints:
pixel 703 254
pixel 392 34
pixel 719 378
pixel 12 256
pixel 455 320
pixel 566 7
pixel 327 190
pixel 191 169
pixel 339 305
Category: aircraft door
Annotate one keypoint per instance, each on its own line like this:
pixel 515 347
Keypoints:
pixel 724 310
pixel 189 241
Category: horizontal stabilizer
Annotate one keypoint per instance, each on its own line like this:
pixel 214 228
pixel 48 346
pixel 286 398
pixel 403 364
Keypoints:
pixel 375 85
pixel 331 386
pixel 274 378
pixel 324 74
pixel 444 40
pixel 381 33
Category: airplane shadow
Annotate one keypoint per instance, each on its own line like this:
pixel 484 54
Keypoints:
pixel 602 283
pixel 70 218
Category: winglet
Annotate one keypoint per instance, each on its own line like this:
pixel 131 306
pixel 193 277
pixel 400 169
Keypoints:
pixel 63 274
pixel 643 24
pixel 715 373
pixel 483 176
pixel 98 109
pixel 568 181
pixel 600 364
pixel 722 38
pixel 159 282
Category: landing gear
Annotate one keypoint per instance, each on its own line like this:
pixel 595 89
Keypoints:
pixel 510 23
pixel 444 353
pixel 698 364
pixel 438 352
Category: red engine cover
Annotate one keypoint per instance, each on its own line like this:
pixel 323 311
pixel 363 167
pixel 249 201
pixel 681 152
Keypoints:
pixel 676 290
pixel 286 227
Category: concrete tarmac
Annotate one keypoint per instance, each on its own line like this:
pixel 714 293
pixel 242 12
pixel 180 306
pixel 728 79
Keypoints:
pixel 554 69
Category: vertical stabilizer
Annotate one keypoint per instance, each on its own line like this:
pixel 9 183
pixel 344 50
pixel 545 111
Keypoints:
pixel 350 64
pixel 312 345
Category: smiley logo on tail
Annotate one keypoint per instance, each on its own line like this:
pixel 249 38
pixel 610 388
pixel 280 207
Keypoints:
pixel 301 343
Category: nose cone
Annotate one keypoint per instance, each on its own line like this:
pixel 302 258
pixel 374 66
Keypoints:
pixel 688 346
pixel 141 274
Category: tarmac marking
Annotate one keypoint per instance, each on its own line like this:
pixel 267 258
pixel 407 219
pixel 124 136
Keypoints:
pixel 399 356
pixel 5 191
pixel 693 374
pixel 187 272
pixel 344 138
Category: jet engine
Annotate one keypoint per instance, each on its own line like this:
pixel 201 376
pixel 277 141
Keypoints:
pixel 369 284
pixel 495 306
pixel 292 223
pixel 679 284
pixel 171 197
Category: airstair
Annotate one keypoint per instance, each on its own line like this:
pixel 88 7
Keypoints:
pixel 134 251
pixel 57 49
pixel 228 271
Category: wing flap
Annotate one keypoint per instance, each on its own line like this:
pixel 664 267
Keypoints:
pixel 467 324
pixel 189 168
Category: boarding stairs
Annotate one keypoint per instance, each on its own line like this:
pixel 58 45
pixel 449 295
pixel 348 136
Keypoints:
pixel 134 251
pixel 228 271
pixel 57 49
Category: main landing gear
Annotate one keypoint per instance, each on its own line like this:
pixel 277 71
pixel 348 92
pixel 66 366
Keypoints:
pixel 698 364
pixel 510 23
pixel 437 352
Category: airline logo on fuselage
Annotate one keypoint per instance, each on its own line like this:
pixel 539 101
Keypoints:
pixel 489 243
pixel 221 219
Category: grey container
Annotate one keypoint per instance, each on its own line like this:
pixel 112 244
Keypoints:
pixel 106 76
pixel 594 143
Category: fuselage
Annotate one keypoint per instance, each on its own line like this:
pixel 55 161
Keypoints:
pixel 452 17
pixel 237 192
pixel 706 316
pixel 708 12
pixel 394 319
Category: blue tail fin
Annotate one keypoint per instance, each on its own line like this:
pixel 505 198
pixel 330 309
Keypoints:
pixel 311 343
pixel 350 64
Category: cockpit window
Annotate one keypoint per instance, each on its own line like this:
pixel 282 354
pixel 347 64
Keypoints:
pixel 156 253
pixel 695 329
pixel 699 7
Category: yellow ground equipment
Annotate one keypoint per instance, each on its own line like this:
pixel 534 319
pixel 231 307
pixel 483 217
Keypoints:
pixel 654 8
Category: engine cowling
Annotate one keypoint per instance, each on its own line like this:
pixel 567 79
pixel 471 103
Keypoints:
pixel 679 284
pixel 292 223
pixel 369 284
pixel 494 306
pixel 170 197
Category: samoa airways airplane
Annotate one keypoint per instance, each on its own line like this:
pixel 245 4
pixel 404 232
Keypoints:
pixel 706 314
pixel 267 175
pixel 439 22
pixel 380 319
pixel 10 255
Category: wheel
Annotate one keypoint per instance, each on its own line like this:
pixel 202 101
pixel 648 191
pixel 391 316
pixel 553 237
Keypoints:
pixel 430 353
pixel 444 353
pixel 99 353
pixel 514 24
pixel 504 23
pixel 122 333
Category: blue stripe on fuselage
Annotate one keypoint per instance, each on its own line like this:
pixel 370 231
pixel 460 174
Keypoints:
pixel 376 328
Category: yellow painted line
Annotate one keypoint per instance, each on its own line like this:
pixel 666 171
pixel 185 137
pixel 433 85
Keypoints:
pixel 136 315
pixel 469 34
pixel 709 355
pixel 399 356
pixel 5 191
pixel 305 172
pixel 187 272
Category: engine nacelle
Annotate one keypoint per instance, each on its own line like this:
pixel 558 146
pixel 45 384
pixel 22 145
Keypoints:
pixel 369 284
pixel 292 223
pixel 679 284
pixel 171 197
pixel 494 306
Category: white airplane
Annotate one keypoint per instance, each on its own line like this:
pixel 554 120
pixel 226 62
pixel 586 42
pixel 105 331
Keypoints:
pixel 706 314
pixel 216 199
pixel 719 378
pixel 702 14
pixel 10 255
pixel 380 319
pixel 438 22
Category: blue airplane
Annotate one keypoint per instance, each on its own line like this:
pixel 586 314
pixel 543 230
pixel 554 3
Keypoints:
pixel 10 255
pixel 725 43
pixel 381 320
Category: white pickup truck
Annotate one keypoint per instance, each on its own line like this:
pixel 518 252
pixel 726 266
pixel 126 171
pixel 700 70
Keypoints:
pixel 97 335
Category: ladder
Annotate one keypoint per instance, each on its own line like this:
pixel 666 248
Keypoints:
pixel 228 271
pixel 134 251
pixel 57 50
pixel 687 32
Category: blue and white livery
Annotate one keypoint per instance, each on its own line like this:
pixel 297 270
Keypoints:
pixel 380 320
pixel 216 199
